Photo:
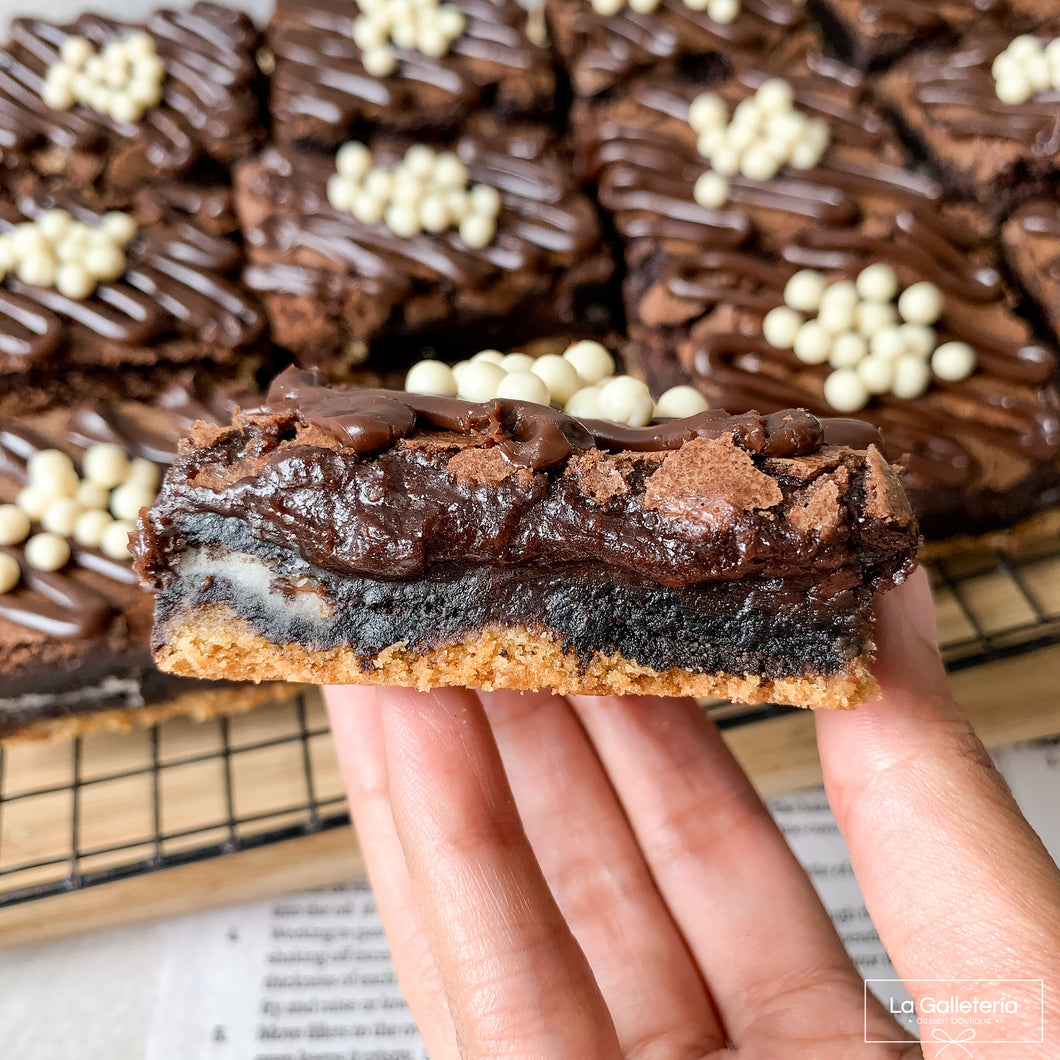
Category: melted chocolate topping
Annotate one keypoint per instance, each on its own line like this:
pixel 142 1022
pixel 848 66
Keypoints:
pixel 210 100
pixel 538 436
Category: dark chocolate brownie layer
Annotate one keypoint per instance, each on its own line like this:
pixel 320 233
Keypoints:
pixel 335 286
pixel 321 93
pixel 1031 239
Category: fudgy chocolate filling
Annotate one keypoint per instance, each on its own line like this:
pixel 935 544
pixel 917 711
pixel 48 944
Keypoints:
pixel 766 626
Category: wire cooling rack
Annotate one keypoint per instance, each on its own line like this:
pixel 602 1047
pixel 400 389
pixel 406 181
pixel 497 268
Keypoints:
pixel 106 807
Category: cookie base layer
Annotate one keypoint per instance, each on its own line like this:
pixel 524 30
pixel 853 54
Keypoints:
pixel 200 705
pixel 212 641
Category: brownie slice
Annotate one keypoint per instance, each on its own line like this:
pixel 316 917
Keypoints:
pixel 337 288
pixel 871 33
pixel 177 301
pixel 386 538
pixel 602 51
pixel 321 92
pixel 1031 240
pixel 984 149
pixel 74 651
pixel 981 452
pixel 208 114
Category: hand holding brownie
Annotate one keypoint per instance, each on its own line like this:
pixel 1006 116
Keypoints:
pixel 596 877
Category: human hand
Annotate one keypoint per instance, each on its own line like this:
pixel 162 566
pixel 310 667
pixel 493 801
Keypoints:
pixel 595 877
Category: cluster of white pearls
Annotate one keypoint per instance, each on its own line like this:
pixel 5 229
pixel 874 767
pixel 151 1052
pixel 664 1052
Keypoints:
pixel 764 133
pixel 123 80
pixel 1025 68
pixel 582 382
pixel 427 191
pixel 54 250
pixel 720 11
pixel 96 509
pixel 418 25
pixel 878 338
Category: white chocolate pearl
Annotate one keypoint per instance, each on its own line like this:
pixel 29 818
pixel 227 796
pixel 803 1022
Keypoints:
pixel 1036 70
pixel 559 376
pixel 1023 46
pixel 37 270
pixel 145 473
pixel 10 572
pixel 774 96
pixel 402 220
pixel 877 283
pixel 780 326
pixel 953 361
pixel 1014 88
pixel 644 7
pixel 419 160
pixel 450 21
pixel 711 190
pixel 33 500
pixel 145 92
pixel 449 172
pixel 836 317
pixel 759 163
pixel 61 515
pixel 918 339
pixel 48 466
pixel 920 304
pixel 369 34
pixel 47 551
pixel 804 290
pixel 841 293
pixel 877 374
pixel 105 464
pixel 911 377
pixel 53 224
pixel 485 200
pixel 119 226
pixel 517 362
pixel 608 8
pixel 431 41
pixel 707 111
pixel 434 214
pixel 431 377
pixel 493 356
pixel 626 400
pixel 848 350
pixel 584 404
pixel 90 526
pixel 340 192
pixel 845 391
pixel 710 140
pixel 353 160
pixel 124 109
pixel 76 51
pixel 740 137
pixel 479 381
pixel 127 500
pixel 477 230
pixel 379 62
pixel 27 239
pixel 591 360
pixel 524 386
pixel 91 495
pixel 872 317
pixel 379 182
pixel 105 261
pixel 887 343
pixel 723 11
pixel 14 524
pixel 368 208
pixel 680 402
pixel 407 188
pixel 805 154
pixel 114 541
pixel 813 345
pixel 458 204
pixel 73 281
pixel 725 160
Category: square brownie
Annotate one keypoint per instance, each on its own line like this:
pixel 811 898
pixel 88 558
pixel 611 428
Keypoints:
pixel 207 115
pixel 983 148
pixel 321 92
pixel 74 653
pixel 380 537
pixel 602 51
pixel 981 451
pixel 337 288
pixel 176 300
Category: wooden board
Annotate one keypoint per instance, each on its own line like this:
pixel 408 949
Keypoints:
pixel 113 802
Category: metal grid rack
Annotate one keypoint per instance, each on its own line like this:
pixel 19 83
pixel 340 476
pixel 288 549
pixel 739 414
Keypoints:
pixel 107 807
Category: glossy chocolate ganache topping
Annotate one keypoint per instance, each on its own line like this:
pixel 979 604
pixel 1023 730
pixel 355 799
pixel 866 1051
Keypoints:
pixel 539 436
